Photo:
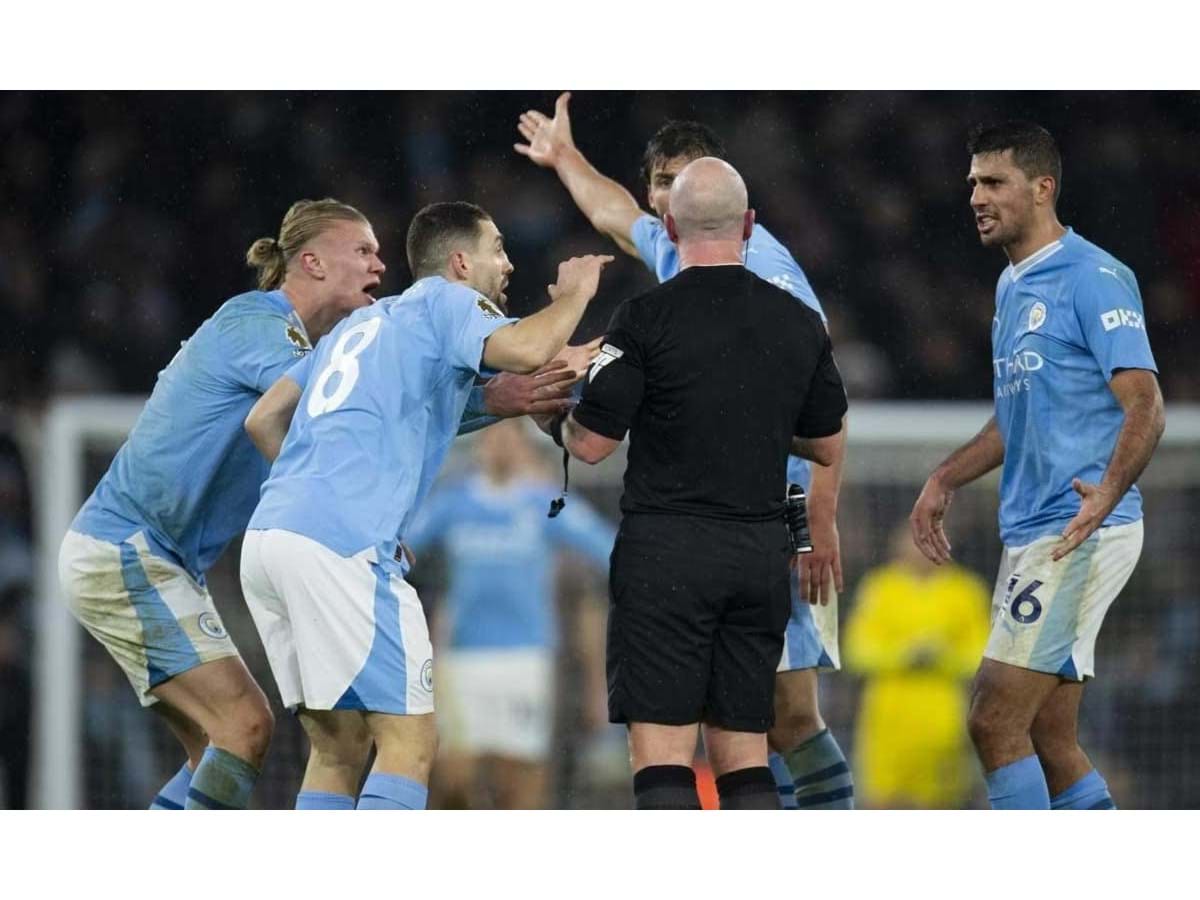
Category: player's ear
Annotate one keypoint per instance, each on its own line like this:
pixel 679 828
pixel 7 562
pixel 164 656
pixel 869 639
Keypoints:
pixel 460 265
pixel 312 265
pixel 672 231
pixel 748 225
pixel 1044 190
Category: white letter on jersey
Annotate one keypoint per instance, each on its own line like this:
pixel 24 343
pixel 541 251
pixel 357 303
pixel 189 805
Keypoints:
pixel 345 362
pixel 1115 318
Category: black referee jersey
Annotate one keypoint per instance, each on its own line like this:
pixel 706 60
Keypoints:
pixel 712 373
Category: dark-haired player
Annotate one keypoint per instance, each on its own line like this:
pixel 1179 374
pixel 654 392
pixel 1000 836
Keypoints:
pixel 1078 415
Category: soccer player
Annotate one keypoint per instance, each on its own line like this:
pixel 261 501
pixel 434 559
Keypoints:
pixel 185 482
pixel 808 764
pixel 381 400
pixel 1078 415
pixel 496 667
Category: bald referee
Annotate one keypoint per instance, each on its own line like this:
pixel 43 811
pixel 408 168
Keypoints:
pixel 716 374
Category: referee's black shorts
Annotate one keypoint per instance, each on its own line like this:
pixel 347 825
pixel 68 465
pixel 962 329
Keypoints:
pixel 695 629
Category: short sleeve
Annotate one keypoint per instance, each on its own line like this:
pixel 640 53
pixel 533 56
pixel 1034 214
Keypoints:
pixel 257 348
pixel 463 319
pixel 1109 308
pixel 825 404
pixel 616 379
pixel 654 247
pixel 300 371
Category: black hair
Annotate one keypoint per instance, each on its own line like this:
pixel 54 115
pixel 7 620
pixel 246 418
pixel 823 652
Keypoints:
pixel 677 138
pixel 1034 149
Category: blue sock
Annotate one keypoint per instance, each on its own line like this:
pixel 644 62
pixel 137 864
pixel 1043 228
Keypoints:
pixel 323 800
pixel 1019 785
pixel 783 781
pixel 221 781
pixel 1089 792
pixel 382 791
pixel 820 774
pixel 173 794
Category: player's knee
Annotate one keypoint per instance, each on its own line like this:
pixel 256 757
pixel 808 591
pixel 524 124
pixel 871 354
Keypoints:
pixel 248 732
pixel 988 725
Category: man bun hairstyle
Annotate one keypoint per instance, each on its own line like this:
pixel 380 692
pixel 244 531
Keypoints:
pixel 305 220
pixel 439 229
pixel 679 138
pixel 1034 149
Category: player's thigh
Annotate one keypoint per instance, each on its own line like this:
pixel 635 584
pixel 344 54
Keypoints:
pixel 1007 698
pixel 339 736
pixel 661 620
pixel 150 615
pixel 404 744
pixel 1056 727
pixel 1046 613
pixel 216 695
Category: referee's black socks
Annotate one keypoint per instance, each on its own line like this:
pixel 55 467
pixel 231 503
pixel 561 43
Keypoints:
pixel 752 788
pixel 667 787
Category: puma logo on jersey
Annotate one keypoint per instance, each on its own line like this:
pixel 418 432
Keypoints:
pixel 1115 318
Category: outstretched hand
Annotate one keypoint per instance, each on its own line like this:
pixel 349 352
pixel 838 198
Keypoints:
pixel 821 569
pixel 578 358
pixel 544 392
pixel 1098 502
pixel 547 137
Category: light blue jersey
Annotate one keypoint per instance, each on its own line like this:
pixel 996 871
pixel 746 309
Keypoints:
pixel 499 547
pixel 1067 318
pixel 385 393
pixel 188 476
pixel 765 257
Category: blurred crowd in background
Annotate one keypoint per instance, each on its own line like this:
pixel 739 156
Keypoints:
pixel 124 220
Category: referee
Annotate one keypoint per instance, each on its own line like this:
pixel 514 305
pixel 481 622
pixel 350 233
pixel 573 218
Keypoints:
pixel 716 374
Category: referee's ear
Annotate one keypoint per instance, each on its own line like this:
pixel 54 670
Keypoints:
pixel 748 225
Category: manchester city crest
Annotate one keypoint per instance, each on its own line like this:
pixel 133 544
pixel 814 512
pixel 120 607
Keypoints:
pixel 211 625
pixel 1037 315
pixel 427 675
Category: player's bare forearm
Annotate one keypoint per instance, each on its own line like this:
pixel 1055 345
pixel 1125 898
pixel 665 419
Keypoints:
pixel 972 460
pixel 822 568
pixel 1145 419
pixel 532 342
pixel 1139 396
pixel 269 418
pixel 826 481
pixel 608 206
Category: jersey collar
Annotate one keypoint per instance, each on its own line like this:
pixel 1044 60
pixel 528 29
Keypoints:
pixel 279 300
pixel 1035 259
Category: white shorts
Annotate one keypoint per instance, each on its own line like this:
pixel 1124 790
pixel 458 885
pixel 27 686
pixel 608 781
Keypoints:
pixel 149 613
pixel 1046 615
pixel 496 702
pixel 339 632
pixel 811 638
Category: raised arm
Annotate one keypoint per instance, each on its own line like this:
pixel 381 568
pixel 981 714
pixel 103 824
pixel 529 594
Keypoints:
pixel 972 460
pixel 532 342
pixel 608 206
pixel 1138 393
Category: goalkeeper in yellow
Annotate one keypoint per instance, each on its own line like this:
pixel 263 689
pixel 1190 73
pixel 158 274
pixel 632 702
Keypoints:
pixel 915 635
